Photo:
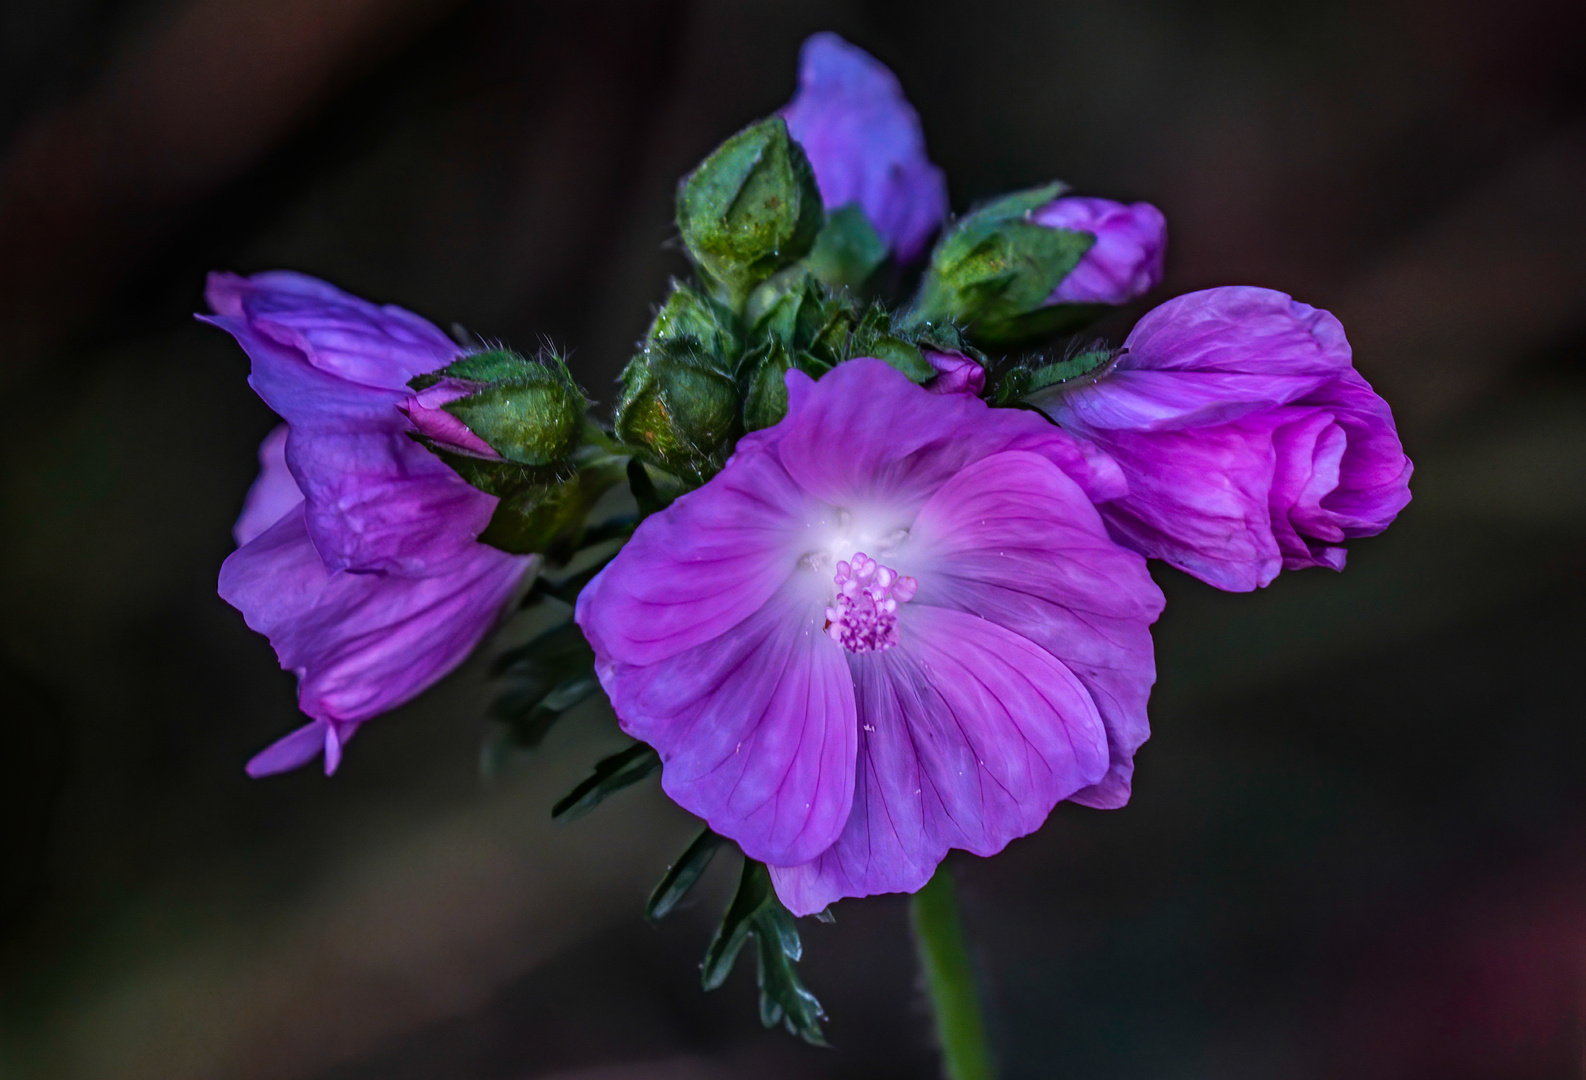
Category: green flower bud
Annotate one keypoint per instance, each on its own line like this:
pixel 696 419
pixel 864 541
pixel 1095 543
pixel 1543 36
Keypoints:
pixel 692 322
pixel 679 410
pixel 551 517
pixel 518 410
pixel 749 209
pixel 994 270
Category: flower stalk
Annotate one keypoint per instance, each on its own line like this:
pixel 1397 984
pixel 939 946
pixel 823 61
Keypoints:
pixel 950 979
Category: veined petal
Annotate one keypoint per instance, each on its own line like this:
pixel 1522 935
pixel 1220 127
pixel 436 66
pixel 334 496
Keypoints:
pixel 1164 400
pixel 688 575
pixel 755 729
pixel 363 643
pixel 1014 540
pixel 1198 500
pixel 273 493
pixel 1240 330
pixel 970 734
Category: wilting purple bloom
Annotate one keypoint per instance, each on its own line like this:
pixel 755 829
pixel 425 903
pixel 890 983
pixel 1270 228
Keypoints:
pixel 1250 442
pixel 358 557
pixel 1126 259
pixel 863 139
pixel 894 624
pixel 424 410
pixel 955 373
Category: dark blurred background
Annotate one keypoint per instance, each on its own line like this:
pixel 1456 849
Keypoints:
pixel 1358 842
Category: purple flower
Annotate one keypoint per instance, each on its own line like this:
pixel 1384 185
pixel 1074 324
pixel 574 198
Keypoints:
pixel 864 141
pixel 358 557
pixel 894 624
pixel 955 373
pixel 1250 442
pixel 1126 260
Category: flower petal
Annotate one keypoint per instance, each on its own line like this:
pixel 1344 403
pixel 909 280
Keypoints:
pixel 865 144
pixel 376 499
pixel 273 493
pixel 865 434
pixel 1237 330
pixel 1014 540
pixel 688 575
pixel 755 729
pixel 1126 259
pixel 1164 400
pixel 363 643
pixel 970 735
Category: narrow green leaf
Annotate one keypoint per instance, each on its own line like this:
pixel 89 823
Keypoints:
pixel 754 892
pixel 611 775
pixel 682 875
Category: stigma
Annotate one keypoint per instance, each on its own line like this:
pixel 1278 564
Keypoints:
pixel 863 616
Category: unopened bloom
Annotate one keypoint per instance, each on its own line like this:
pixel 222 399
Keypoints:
pixel 425 411
pixel 1250 442
pixel 892 625
pixel 864 141
pixel 1126 259
pixel 955 373
pixel 358 557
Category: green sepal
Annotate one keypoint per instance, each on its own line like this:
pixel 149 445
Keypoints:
pixel 611 775
pixel 529 412
pixel 756 911
pixel 764 381
pixel 678 410
pixel 994 269
pixel 550 519
pixel 749 209
pixel 1021 382
pixel 692 322
pixel 848 251
pixel 682 875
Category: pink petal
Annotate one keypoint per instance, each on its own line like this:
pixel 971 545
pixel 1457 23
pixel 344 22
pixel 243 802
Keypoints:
pixel 970 735
pixel 714 558
pixel 363 643
pixel 755 728
pixel 272 494
pixel 1238 330
pixel 1163 400
pixel 1014 540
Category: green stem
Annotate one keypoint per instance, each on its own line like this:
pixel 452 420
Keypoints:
pixel 950 979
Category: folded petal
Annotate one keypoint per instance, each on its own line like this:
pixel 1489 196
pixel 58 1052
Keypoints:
pixel 1163 400
pixel 273 493
pixel 376 499
pixel 716 556
pixel 363 643
pixel 1014 540
pixel 755 729
pixel 377 345
pixel 302 746
pixel 865 143
pixel 1198 500
pixel 970 734
pixel 1125 261
pixel 1237 330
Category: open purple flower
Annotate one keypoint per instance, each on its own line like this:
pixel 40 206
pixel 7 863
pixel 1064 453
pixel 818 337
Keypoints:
pixel 357 556
pixel 1126 259
pixel 894 624
pixel 1250 442
pixel 864 141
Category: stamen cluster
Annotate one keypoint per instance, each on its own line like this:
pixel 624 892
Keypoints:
pixel 863 617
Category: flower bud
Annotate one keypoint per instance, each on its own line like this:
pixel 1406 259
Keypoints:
pixel 749 209
pixel 679 410
pixel 499 405
pixel 997 269
pixel 694 322
pixel 1126 261
pixel 955 373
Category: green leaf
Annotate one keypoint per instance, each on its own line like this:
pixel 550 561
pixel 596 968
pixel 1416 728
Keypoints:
pixel 756 912
pixel 544 678
pixel 682 875
pixel 848 251
pixel 611 775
